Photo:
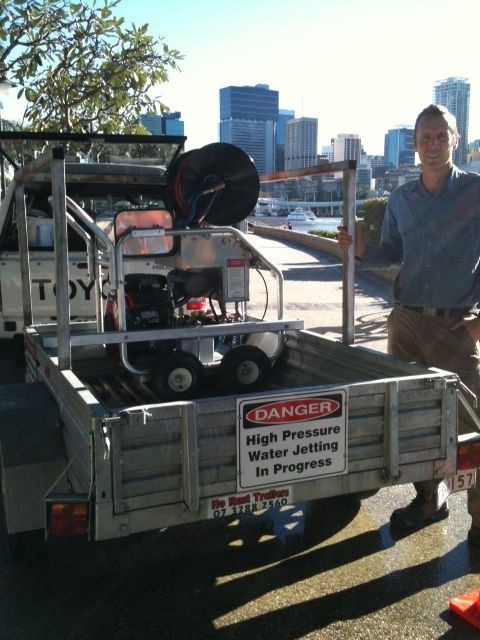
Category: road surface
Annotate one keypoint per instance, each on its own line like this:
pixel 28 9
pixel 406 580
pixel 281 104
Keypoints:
pixel 313 292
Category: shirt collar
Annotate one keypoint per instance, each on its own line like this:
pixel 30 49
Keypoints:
pixel 455 174
pixel 451 182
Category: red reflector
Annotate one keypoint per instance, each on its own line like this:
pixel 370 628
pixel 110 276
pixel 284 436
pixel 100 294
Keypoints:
pixel 196 304
pixel 68 518
pixel 468 455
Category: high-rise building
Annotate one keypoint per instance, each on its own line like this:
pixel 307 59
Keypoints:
pixel 376 162
pixel 172 125
pixel 454 94
pixel 399 150
pixel 248 116
pixel 284 115
pixel 168 124
pixel 301 143
pixel 364 178
pixel 326 152
pixel 346 146
pixel 474 150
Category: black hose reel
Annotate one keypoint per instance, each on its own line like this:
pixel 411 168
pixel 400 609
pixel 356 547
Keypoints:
pixel 217 184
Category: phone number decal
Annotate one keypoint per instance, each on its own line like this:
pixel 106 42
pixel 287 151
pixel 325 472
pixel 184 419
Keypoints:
pixel 250 502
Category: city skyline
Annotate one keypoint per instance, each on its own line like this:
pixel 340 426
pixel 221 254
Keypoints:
pixel 356 67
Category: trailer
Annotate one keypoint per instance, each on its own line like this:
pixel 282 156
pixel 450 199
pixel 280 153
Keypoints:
pixel 156 414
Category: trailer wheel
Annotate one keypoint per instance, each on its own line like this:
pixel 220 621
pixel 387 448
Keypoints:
pixel 178 376
pixel 245 368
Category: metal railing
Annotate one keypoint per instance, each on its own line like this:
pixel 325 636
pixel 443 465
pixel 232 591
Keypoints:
pixel 348 168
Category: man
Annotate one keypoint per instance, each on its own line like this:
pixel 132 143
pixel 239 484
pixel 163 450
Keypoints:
pixel 431 230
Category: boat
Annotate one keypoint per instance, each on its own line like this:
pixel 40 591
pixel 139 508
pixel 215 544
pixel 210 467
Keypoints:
pixel 301 215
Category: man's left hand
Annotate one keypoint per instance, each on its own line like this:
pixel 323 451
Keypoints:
pixel 472 326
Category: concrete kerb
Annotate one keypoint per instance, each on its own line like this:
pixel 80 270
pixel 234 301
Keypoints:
pixel 327 245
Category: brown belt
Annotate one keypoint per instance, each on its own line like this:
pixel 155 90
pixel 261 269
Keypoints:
pixel 459 312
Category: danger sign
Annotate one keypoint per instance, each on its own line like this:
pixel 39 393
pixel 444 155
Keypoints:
pixel 291 438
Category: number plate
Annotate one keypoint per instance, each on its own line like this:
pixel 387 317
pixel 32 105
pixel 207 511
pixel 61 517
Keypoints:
pixel 462 480
pixel 251 502
pixel 459 482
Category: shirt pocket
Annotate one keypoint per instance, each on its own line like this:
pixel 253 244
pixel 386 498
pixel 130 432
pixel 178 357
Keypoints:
pixel 459 242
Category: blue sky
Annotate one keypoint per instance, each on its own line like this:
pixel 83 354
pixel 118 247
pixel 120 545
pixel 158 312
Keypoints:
pixel 359 66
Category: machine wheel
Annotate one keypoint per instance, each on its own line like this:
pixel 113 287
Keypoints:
pixel 178 376
pixel 245 368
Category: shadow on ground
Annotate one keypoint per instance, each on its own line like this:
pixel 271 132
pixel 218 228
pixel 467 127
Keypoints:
pixel 189 582
pixel 167 584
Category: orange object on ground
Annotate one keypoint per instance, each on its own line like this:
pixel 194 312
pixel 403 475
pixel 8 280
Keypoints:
pixel 468 607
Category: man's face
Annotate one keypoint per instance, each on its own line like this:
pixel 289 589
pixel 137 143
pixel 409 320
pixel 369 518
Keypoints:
pixel 435 143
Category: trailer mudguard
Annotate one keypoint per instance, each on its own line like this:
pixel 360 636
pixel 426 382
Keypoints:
pixel 32 455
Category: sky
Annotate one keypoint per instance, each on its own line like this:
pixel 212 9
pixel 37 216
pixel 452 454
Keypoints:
pixel 359 66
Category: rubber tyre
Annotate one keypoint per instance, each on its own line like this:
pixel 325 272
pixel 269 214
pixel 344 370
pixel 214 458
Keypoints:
pixel 179 376
pixel 244 369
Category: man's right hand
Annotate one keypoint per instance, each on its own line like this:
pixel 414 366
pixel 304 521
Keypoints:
pixel 345 239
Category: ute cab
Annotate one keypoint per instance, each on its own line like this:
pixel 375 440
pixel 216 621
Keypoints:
pixel 101 189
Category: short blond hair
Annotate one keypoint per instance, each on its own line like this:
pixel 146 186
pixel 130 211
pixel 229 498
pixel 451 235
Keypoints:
pixel 437 110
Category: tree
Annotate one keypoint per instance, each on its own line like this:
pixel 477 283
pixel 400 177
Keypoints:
pixel 79 67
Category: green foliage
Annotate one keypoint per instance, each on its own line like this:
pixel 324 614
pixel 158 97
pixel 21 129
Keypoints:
pixel 373 213
pixel 80 68
pixel 324 234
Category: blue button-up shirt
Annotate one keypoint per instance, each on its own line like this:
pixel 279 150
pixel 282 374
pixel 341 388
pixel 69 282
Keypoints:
pixel 435 241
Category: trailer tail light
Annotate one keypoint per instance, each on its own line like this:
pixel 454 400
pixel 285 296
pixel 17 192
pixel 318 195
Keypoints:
pixel 68 515
pixel 196 305
pixel 468 452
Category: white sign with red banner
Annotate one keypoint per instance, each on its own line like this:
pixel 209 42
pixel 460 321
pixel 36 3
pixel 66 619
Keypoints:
pixel 291 438
pixel 236 279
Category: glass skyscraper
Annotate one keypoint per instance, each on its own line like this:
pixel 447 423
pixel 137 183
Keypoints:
pixel 454 94
pixel 398 149
pixel 248 117
pixel 284 115
pixel 168 124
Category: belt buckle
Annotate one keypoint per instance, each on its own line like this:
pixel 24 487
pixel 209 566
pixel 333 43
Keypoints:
pixel 429 311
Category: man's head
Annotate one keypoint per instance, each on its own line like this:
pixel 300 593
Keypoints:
pixel 435 137
pixel 437 110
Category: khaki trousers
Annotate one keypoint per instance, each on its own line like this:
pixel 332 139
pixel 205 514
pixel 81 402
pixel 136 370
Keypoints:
pixel 430 340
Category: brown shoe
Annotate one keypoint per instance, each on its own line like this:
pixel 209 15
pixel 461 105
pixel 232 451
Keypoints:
pixel 474 536
pixel 418 514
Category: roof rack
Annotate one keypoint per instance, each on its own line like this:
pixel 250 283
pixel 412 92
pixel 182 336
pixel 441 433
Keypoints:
pixel 106 138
